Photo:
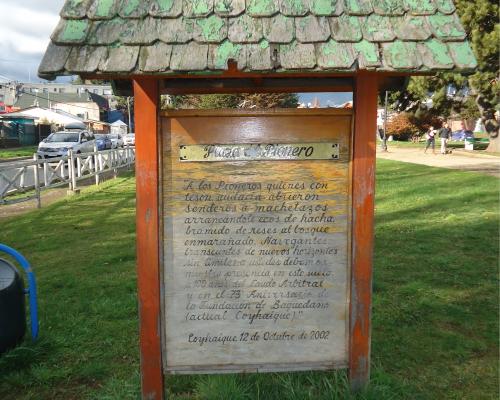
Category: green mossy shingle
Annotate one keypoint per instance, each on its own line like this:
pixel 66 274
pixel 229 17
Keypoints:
pixel 211 30
pixel 378 28
pixel 368 54
pixel 279 29
pixel 326 8
pixel 181 30
pixel 297 55
pixel 358 7
pixel 445 6
pixel 346 28
pixel 401 55
pixel 435 54
pixel 421 7
pixel 462 54
pixel 389 7
pixel 262 8
pixel 312 29
pixel 104 9
pixel 165 8
pixel 230 8
pixel 222 53
pixel 335 55
pixel 294 7
pixel 446 27
pixel 245 29
pixel 411 28
pixel 197 8
pixel 72 31
pixel 134 8
pixel 308 35
pixel 75 9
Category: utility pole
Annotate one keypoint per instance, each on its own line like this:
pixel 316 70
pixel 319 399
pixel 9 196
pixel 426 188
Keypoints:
pixel 129 119
pixel 384 139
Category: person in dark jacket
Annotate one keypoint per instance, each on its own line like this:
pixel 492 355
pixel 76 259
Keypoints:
pixel 445 135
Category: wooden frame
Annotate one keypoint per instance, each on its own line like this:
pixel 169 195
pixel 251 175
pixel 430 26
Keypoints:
pixel 363 196
pixel 146 91
pixel 148 252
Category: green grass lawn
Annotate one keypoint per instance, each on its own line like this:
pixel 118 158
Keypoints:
pixel 26 151
pixel 435 310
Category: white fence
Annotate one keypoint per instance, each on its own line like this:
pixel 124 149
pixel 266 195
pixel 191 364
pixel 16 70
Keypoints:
pixel 25 180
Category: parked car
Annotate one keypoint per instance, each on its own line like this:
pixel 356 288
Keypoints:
pixel 103 142
pixel 129 139
pixel 116 140
pixel 461 135
pixel 57 144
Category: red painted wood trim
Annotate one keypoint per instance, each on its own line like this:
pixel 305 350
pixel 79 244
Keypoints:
pixel 146 93
pixel 363 187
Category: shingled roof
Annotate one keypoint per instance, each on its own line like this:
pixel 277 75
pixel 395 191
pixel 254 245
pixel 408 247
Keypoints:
pixel 133 37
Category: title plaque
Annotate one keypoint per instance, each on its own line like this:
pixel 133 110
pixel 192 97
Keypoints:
pixel 259 151
pixel 256 250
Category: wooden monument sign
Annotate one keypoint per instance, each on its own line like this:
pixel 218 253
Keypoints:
pixel 255 228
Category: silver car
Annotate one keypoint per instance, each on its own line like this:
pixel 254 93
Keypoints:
pixel 116 140
pixel 129 139
pixel 58 143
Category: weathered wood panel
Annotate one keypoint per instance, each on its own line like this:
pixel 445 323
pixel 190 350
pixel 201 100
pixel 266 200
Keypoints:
pixel 256 253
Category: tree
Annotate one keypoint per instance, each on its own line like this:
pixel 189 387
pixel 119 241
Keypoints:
pixel 479 18
pixel 123 103
pixel 402 128
pixel 245 100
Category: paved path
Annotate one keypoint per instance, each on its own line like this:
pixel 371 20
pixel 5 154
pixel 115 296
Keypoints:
pixel 482 163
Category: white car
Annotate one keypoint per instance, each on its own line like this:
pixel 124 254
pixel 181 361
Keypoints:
pixel 58 143
pixel 129 139
pixel 116 140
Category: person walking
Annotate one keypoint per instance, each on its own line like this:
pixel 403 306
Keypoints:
pixel 430 137
pixel 444 134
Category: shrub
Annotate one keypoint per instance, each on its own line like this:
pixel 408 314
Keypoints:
pixel 401 127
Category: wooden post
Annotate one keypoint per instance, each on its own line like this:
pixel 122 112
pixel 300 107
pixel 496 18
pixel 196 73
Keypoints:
pixel 146 92
pixel 96 165
pixel 365 128
pixel 37 182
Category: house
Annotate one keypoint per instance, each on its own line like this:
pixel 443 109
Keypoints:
pixel 83 105
pixel 119 127
pixel 45 121
pixel 17 130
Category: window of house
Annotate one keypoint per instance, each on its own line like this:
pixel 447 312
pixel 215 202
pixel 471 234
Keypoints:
pixel 96 91
pixel 61 90
pixel 45 90
pixel 106 92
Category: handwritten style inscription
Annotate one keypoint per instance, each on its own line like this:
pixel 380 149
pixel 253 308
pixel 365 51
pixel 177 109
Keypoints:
pixel 259 151
pixel 256 264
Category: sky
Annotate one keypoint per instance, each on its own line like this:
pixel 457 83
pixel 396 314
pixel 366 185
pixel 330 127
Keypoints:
pixel 25 29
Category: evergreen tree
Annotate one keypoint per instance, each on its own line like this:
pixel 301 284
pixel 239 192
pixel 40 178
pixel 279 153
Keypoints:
pixel 480 20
